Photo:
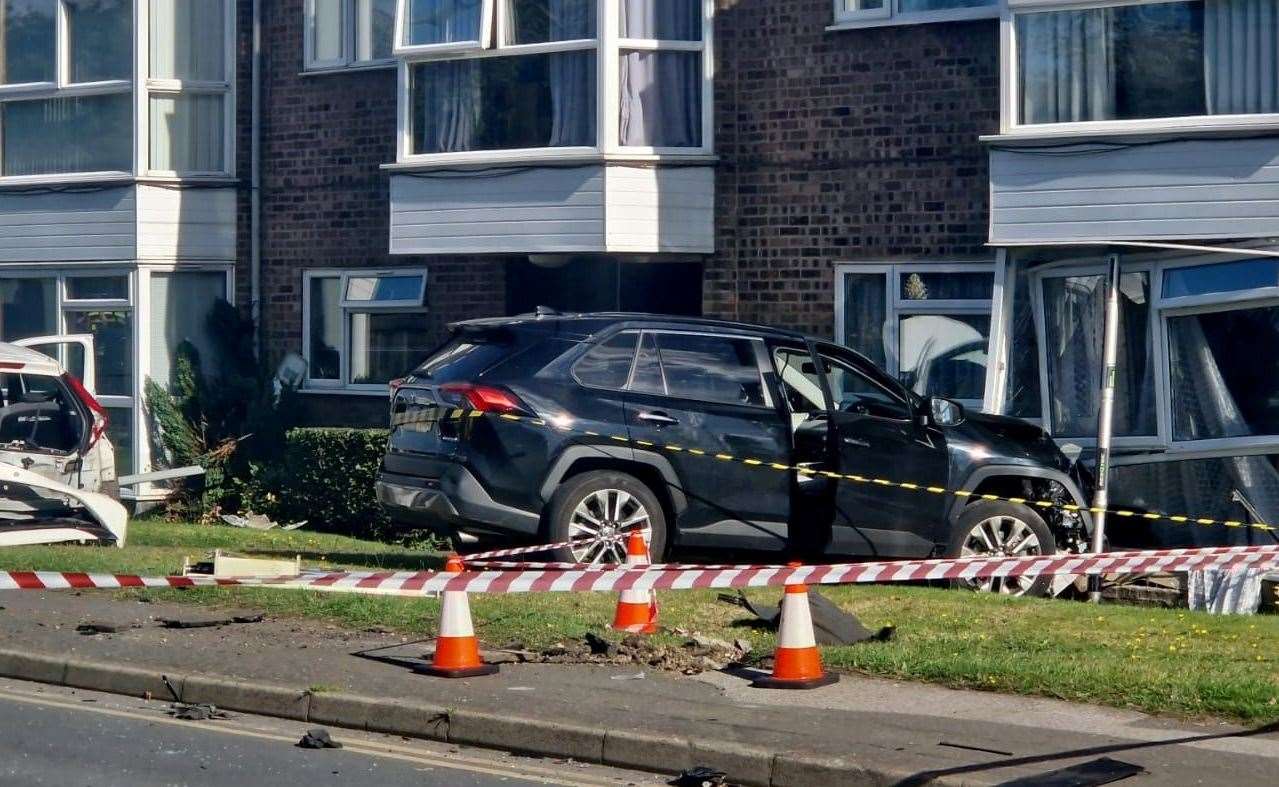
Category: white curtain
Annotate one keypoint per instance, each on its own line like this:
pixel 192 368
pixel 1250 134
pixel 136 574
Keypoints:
pixel 188 39
pixel 187 132
pixel 1067 65
pixel 1241 56
pixel 448 111
pixel 670 20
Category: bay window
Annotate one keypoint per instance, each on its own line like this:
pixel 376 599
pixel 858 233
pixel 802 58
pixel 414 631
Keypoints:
pixel 1145 62
pixel 874 13
pixel 926 324
pixel 348 33
pixel 496 79
pixel 65 90
pixel 363 329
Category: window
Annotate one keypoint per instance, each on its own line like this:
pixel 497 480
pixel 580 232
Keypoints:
pixel 181 305
pixel 346 33
pixel 608 365
pixel 858 13
pixel 855 392
pixel 65 90
pixel 927 325
pixel 189 87
pixel 1147 62
pixel 364 329
pixel 711 368
pixel 497 79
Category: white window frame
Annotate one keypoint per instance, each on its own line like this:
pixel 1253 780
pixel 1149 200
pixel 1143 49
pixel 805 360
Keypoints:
pixel 63 87
pixel 343 275
pixel 896 307
pixel 1010 88
pixel 357 35
pixel 889 14
pixel 175 88
pixel 607 45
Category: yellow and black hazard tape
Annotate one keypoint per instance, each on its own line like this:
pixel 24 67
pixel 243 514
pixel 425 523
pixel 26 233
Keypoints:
pixel 459 414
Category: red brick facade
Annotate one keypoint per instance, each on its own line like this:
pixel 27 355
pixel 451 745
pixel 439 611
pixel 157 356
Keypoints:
pixel 834 146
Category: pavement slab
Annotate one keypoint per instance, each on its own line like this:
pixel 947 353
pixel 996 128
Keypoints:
pixel 859 731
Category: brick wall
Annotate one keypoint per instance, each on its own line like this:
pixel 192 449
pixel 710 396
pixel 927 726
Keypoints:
pixel 856 145
pixel 326 201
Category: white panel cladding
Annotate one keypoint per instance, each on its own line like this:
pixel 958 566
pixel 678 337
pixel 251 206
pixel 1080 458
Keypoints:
pixel 594 208
pixel 666 209
pixel 1175 190
pixel 67 224
pixel 543 209
pixel 186 223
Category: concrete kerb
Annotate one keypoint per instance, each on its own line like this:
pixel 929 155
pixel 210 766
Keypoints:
pixel 653 752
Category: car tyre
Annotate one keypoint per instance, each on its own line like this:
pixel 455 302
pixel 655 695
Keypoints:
pixel 995 527
pixel 609 504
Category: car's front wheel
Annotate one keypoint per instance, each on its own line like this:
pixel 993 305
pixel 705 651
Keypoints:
pixel 993 528
pixel 599 509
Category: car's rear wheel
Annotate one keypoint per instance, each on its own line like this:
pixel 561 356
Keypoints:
pixel 599 509
pixel 993 528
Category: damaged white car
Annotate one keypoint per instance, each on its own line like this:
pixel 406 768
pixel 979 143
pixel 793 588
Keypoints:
pixel 57 467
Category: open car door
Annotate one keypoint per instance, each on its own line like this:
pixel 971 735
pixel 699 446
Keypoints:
pixel 74 351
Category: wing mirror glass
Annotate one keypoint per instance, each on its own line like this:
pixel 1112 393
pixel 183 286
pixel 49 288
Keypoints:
pixel 945 412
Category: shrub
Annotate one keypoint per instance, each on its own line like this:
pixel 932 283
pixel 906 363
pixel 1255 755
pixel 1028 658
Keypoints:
pixel 324 476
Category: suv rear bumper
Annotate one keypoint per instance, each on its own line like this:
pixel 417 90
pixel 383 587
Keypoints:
pixel 454 501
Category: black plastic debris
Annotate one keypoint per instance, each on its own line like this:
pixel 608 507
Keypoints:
pixel 1088 774
pixel 700 776
pixel 831 625
pixel 96 627
pixel 318 738
pixel 196 712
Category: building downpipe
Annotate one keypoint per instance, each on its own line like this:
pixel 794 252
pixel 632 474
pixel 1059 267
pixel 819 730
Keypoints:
pixel 255 181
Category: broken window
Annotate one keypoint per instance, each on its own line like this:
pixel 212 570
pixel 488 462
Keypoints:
pixel 1223 369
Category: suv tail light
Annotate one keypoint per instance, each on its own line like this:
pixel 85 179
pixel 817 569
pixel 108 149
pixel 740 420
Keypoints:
pixel 484 398
pixel 99 413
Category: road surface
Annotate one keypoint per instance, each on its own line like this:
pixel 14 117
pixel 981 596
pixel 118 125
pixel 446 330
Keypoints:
pixel 64 737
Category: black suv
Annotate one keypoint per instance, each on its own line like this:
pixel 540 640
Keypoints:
pixel 550 427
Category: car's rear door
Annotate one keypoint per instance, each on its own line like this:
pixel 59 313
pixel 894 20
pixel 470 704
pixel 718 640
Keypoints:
pixel 701 399
pixel 879 436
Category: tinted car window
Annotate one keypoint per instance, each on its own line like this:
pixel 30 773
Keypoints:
pixel 608 365
pixel 711 368
pixel 648 368
pixel 855 392
pixel 463 358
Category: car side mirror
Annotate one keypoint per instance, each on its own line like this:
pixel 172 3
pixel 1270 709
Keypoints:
pixel 945 412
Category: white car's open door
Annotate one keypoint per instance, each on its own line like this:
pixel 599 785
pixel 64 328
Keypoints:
pixel 74 351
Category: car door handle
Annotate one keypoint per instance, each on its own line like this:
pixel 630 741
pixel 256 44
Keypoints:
pixel 857 441
pixel 657 418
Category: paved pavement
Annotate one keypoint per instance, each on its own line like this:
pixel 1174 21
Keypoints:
pixel 65 738
pixel 907 731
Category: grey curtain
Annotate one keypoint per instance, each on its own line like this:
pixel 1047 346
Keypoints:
pixel 1241 46
pixel 572 75
pixel 1067 66
pixel 444 21
pixel 669 20
pixel 661 101
pixel 865 315
pixel 448 106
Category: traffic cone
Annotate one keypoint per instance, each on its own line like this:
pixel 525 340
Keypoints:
pixel 457 651
pixel 636 609
pixel 797 664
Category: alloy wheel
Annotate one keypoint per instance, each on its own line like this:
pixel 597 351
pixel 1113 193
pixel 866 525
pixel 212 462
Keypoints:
pixel 1001 536
pixel 609 516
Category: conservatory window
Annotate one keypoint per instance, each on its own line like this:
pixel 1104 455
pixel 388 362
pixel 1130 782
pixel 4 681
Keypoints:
pixel 364 329
pixel 863 13
pixel 1147 61
pixel 660 74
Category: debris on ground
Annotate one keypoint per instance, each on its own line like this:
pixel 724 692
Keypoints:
pixel 201 711
pixel 318 738
pixel 254 521
pixel 92 627
pixel 200 622
pixel 696 654
pixel 831 625
pixel 700 776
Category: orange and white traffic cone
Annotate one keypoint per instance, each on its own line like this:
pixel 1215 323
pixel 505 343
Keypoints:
pixel 797 664
pixel 457 651
pixel 636 609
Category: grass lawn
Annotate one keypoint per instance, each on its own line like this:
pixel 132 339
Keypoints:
pixel 1162 661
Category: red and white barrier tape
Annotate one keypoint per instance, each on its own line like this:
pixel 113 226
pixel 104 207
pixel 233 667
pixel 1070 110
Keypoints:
pixel 501 565
pixel 660 577
pixel 513 551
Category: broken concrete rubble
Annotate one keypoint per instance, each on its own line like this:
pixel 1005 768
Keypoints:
pixel 696 654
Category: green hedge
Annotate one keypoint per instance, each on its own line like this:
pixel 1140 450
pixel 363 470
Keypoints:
pixel 324 476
